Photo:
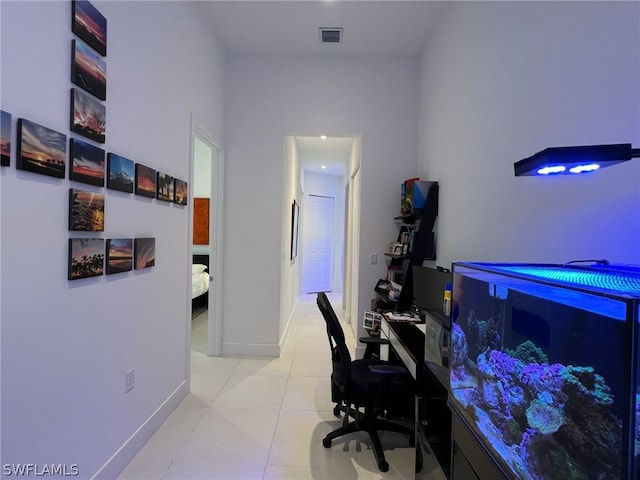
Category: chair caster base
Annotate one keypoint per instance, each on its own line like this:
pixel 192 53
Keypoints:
pixel 326 442
pixel 383 466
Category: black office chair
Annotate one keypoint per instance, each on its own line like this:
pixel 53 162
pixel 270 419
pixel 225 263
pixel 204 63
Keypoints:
pixel 372 385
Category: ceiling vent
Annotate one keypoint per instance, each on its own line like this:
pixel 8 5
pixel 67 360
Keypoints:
pixel 330 35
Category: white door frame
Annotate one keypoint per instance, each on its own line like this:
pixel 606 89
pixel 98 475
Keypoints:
pixel 214 321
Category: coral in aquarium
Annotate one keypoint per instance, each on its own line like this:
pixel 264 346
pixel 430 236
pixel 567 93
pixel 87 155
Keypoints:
pixel 528 352
pixel 483 334
pixel 459 347
pixel 499 384
pixel 544 417
pixel 547 421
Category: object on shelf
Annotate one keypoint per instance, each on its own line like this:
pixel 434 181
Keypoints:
pixel 371 320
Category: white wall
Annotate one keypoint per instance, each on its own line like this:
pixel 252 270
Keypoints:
pixel 290 273
pixel 503 80
pixel 67 345
pixel 270 97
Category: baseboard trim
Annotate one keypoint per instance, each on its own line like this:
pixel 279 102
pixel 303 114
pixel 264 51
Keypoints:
pixel 121 458
pixel 250 350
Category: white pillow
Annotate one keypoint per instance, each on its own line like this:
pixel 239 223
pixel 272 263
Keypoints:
pixel 198 268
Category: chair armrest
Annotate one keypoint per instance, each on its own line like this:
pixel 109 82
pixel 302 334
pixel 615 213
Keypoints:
pixel 387 369
pixel 374 340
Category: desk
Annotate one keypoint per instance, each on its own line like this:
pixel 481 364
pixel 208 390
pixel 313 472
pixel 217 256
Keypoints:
pixel 407 341
pixel 432 415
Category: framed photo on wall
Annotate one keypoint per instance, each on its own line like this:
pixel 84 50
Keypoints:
pixel 144 251
pixel 90 25
pixel 5 138
pixel 88 69
pixel 86 258
pixel 86 211
pixel 145 181
pixel 87 163
pixel 119 255
pixel 120 173
pixel 164 187
pixel 295 214
pixel 40 149
pixel 180 191
pixel 88 116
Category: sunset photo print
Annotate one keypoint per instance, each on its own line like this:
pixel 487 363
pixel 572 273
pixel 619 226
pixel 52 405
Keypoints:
pixel 90 25
pixel 88 69
pixel 86 258
pixel 145 181
pixel 86 211
pixel 120 173
pixel 119 255
pixel 5 138
pixel 40 149
pixel 87 163
pixel 88 116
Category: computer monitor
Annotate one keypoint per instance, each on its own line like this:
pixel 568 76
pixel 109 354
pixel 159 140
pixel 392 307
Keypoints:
pixel 428 291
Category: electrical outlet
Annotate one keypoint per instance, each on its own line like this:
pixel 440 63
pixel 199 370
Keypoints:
pixel 373 258
pixel 129 380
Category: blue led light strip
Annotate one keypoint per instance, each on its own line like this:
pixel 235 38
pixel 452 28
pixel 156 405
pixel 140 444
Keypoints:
pixel 615 282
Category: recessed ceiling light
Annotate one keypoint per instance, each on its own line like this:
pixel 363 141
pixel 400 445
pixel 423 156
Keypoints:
pixel 323 137
pixel 323 167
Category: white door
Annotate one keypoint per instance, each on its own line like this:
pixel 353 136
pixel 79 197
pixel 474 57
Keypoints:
pixel 317 244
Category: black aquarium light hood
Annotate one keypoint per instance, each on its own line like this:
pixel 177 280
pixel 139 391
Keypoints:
pixel 574 160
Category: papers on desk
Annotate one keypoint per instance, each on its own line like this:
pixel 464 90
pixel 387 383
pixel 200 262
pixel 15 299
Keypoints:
pixel 401 317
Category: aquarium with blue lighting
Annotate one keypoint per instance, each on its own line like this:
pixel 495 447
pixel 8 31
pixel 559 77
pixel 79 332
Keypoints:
pixel 544 367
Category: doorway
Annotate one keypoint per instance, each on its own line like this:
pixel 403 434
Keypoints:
pixel 207 180
pixel 317 244
pixel 337 158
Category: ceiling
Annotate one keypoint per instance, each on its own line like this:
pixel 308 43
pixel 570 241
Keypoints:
pixel 374 27
pixel 370 27
pixel 333 153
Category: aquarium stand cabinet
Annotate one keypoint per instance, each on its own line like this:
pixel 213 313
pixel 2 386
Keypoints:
pixel 544 372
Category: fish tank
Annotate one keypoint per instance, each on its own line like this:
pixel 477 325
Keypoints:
pixel 544 367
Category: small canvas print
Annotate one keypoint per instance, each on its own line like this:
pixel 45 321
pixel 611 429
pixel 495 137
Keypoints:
pixel 5 138
pixel 40 149
pixel 119 173
pixel 180 191
pixel 88 116
pixel 145 181
pixel 86 257
pixel 86 211
pixel 144 253
pixel 87 163
pixel 90 25
pixel 88 69
pixel 164 185
pixel 119 255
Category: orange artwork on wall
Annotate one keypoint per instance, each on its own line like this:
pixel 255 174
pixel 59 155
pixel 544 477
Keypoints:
pixel 201 221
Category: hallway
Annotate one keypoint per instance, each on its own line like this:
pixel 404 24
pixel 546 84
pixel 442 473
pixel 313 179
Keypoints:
pixel 264 418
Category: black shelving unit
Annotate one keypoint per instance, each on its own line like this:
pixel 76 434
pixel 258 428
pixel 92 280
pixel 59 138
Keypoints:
pixel 423 244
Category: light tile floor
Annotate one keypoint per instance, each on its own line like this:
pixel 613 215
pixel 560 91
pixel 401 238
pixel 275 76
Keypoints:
pixel 264 418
